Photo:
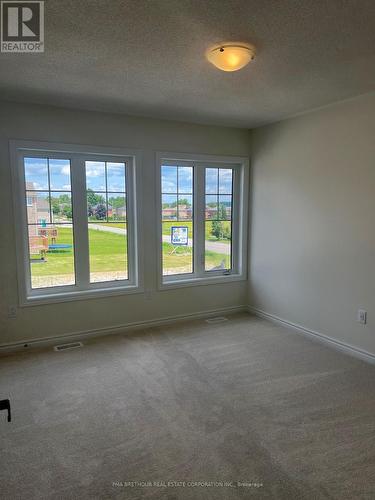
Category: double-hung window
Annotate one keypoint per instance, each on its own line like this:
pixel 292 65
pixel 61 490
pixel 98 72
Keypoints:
pixel 76 221
pixel 202 218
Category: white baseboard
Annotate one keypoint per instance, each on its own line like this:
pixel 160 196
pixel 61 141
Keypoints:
pixel 320 337
pixel 123 328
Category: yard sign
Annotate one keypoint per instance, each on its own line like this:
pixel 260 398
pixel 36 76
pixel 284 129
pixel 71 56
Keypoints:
pixel 180 235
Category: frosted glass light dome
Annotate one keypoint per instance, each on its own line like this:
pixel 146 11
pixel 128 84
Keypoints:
pixel 230 57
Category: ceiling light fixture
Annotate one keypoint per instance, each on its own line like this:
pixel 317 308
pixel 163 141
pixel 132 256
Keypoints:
pixel 230 56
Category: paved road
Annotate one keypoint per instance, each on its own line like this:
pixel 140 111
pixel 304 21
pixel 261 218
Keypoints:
pixel 213 246
pixel 107 229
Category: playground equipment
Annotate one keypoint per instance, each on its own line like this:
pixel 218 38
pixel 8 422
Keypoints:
pixel 39 245
pixel 50 232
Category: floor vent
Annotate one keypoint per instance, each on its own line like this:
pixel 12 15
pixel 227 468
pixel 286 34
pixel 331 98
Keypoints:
pixel 66 347
pixel 216 319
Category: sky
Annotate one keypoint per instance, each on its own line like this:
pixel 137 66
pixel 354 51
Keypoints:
pixel 174 179
pixel 36 171
pixel 218 181
pixel 179 180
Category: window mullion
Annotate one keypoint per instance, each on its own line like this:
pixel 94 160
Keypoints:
pixel 131 215
pixel 236 216
pixel 81 241
pixel 199 227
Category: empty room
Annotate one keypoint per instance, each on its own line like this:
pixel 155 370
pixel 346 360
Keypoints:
pixel 187 249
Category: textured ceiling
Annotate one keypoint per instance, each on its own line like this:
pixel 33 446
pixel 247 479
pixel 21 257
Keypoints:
pixel 146 57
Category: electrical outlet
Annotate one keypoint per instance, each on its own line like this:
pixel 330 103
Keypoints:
pixel 12 312
pixel 362 316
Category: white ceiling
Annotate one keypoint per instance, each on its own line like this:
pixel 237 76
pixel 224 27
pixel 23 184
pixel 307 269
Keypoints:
pixel 146 57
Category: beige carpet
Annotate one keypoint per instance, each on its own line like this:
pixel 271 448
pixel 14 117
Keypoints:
pixel 242 409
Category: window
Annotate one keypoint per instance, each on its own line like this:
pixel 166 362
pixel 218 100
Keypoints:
pixel 177 219
pixel 218 218
pixel 76 214
pixel 49 221
pixel 203 218
pixel 106 214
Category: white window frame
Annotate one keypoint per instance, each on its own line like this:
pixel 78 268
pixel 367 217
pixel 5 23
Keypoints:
pixel 200 276
pixel 77 154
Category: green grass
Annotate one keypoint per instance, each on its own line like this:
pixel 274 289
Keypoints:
pixel 182 258
pixel 108 253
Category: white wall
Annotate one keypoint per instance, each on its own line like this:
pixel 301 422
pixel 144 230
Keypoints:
pixel 21 121
pixel 313 209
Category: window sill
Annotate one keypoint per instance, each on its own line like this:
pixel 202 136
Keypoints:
pixel 196 281
pixel 53 298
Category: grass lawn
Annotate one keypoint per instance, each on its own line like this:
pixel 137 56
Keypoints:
pixel 108 253
pixel 182 258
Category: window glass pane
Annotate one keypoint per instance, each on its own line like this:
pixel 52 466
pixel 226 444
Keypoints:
pixel 168 179
pixel 106 211
pixel 96 206
pixel 59 171
pixel 212 179
pixel 177 236
pixel 51 253
pixel 185 179
pixel 95 175
pixel 211 207
pixel 49 217
pixel 218 245
pixel 218 216
pixel 38 209
pixel 185 207
pixel 116 177
pixel 177 246
pixel 116 207
pixel 61 204
pixel 225 180
pixel 36 173
pixel 169 207
pixel 108 251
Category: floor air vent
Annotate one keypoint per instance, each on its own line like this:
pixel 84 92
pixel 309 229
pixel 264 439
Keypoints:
pixel 67 347
pixel 217 319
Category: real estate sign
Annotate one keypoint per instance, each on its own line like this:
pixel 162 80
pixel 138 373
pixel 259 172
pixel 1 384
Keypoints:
pixel 179 235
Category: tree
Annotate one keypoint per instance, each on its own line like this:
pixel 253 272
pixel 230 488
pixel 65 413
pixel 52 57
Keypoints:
pixel 222 212
pixel 117 201
pixel 219 228
pixel 64 198
pixel 101 212
pixel 183 201
pixel 67 211
pixel 94 199
pixel 55 205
